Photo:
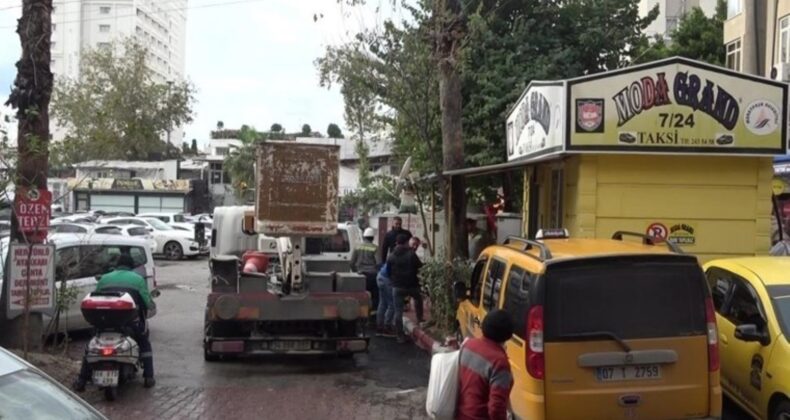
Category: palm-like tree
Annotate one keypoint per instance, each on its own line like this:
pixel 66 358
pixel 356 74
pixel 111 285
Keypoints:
pixel 240 163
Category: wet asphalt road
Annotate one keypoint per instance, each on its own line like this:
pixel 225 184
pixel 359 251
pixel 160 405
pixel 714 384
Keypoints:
pixel 391 386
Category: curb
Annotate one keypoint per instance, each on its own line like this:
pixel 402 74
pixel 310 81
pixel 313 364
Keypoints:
pixel 422 339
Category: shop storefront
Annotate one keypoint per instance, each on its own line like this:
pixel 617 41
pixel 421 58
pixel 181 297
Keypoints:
pixel 677 149
pixel 131 195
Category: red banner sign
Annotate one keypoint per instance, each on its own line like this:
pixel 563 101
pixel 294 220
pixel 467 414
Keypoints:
pixel 32 208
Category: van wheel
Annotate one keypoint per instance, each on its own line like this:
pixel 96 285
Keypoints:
pixel 782 411
pixel 173 251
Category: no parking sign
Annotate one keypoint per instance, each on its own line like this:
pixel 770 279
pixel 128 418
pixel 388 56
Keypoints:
pixel 658 230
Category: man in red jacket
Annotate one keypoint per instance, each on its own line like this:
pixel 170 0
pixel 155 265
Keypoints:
pixel 485 378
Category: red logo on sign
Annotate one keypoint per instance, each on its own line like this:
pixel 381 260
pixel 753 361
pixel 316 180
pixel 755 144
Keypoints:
pixel 658 230
pixel 32 207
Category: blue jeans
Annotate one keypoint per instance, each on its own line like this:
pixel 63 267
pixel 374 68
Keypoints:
pixel 398 297
pixel 385 311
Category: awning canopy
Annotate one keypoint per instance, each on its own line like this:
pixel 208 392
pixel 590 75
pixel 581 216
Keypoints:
pixel 501 167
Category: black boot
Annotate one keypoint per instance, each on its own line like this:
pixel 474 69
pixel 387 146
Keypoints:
pixel 78 385
pixel 149 382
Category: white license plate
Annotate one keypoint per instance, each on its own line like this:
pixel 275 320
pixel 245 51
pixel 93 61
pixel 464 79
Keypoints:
pixel 290 345
pixel 628 373
pixel 105 377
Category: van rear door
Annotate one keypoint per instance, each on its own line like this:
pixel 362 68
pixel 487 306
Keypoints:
pixel 625 337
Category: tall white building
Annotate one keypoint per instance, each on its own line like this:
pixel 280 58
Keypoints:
pixel 670 12
pixel 160 25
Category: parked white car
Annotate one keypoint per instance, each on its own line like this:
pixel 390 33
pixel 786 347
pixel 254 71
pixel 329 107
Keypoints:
pixel 180 221
pixel 139 232
pixel 84 228
pixel 80 258
pixel 170 242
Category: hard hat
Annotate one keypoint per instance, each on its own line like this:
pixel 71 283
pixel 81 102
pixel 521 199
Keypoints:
pixel 369 233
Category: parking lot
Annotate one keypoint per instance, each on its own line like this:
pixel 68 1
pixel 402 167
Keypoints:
pixel 391 386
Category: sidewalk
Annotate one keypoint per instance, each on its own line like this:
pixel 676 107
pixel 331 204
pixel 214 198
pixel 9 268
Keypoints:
pixel 422 338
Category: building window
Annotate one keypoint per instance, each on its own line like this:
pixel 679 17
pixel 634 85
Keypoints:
pixel 222 151
pixel 734 8
pixel 105 10
pixel 104 28
pixel 784 40
pixel 103 45
pixel 54 26
pixel 734 55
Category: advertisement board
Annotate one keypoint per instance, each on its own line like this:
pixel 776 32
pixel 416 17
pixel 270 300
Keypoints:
pixel 297 189
pixel 535 124
pixel 677 105
pixel 31 269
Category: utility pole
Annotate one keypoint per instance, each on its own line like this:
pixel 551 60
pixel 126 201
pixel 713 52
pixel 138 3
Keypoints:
pixel 30 97
pixel 450 30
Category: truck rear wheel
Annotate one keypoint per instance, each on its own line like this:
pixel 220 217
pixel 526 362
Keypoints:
pixel 208 356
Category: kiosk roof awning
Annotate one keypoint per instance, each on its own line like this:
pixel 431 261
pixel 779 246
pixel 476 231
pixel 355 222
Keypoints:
pixel 501 167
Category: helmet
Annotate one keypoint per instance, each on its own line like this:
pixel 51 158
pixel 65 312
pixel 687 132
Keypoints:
pixel 369 233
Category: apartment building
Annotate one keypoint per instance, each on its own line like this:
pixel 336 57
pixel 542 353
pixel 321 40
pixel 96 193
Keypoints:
pixel 757 37
pixel 670 12
pixel 78 25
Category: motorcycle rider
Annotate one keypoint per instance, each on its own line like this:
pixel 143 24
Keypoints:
pixel 123 277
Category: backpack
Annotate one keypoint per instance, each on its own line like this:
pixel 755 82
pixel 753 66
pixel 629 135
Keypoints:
pixel 443 385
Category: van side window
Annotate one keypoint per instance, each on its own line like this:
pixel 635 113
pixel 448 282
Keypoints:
pixel 493 284
pixel 720 283
pixel 477 279
pixel 516 302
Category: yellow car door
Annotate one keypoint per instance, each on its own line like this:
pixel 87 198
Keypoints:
pixel 469 310
pixel 742 361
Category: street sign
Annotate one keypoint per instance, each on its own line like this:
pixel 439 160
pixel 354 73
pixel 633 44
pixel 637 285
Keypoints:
pixel 32 208
pixel 33 266
pixel 658 230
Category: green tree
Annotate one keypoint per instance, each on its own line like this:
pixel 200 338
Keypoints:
pixel 115 109
pixel 697 37
pixel 240 163
pixel 185 150
pixel 220 125
pixel 194 147
pixel 333 131
pixel 306 130
pixel 276 128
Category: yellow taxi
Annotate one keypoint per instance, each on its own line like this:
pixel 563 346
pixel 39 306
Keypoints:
pixel 605 329
pixel 752 301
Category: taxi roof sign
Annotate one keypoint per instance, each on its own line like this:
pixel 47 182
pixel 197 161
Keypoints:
pixel 553 233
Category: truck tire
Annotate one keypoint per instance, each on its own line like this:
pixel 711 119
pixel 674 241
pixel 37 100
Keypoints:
pixel 208 356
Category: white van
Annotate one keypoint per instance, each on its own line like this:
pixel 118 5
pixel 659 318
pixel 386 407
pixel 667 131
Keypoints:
pixel 80 258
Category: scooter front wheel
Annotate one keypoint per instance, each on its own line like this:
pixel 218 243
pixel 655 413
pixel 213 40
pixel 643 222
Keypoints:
pixel 110 393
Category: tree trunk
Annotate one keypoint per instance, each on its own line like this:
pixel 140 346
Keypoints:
pixel 30 96
pixel 450 31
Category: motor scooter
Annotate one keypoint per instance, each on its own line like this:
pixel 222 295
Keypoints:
pixel 112 355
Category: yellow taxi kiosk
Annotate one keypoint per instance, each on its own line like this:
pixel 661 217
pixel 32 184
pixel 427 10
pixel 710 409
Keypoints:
pixel 675 148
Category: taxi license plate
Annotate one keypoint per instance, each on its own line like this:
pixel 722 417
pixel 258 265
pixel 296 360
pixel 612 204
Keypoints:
pixel 290 345
pixel 627 373
pixel 105 377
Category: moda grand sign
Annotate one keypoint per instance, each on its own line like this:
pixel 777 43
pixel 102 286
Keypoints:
pixel 677 105
pixel 535 125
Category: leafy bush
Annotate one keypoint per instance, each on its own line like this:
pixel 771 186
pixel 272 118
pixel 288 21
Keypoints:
pixel 438 277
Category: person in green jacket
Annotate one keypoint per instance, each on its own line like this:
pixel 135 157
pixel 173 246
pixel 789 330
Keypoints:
pixel 124 278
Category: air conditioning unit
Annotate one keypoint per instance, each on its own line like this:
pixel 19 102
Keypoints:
pixel 783 72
